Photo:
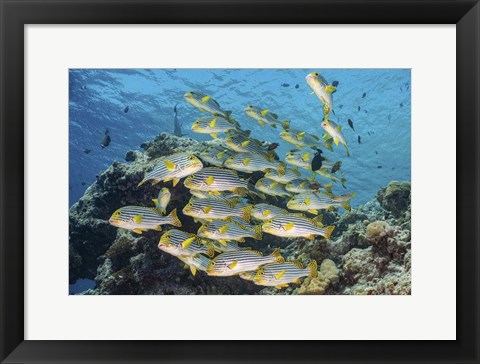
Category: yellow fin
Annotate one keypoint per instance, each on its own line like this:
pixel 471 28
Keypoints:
pixel 223 229
pixel 213 122
pixel 335 140
pixel 245 143
pixel 206 98
pixel 157 228
pixel 232 264
pixel 187 242
pixel 138 231
pixel 289 226
pixel 193 270
pixel 280 286
pixel 306 157
pixel 330 89
pixel 313 211
pixel 310 237
pixel 155 201
pixel 169 164
pixel 296 263
pixel 307 201
pixel 312 266
pixel 220 155
pixel 175 220
pixel 328 231
pixel 223 242
pixel 175 181
pixel 207 209
pixel 261 122
pixel 246 161
pixel 138 219
pixel 264 112
pixel 273 184
pixel 300 135
pixel 210 250
pixel 346 205
pixel 214 135
pixel 266 213
pixel 209 180
pixel 280 274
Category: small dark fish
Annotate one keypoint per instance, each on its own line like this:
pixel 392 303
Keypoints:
pixel 368 132
pixel 86 151
pixel 350 123
pixel 333 111
pixel 393 168
pixel 105 142
pixel 84 183
pixel 273 146
pixel 364 94
pixel 97 177
pixel 315 186
pixel 340 106
pixel 366 111
pixel 379 167
pixel 285 84
pixel 297 85
pixel 336 166
pixel 376 152
pixel 84 87
pixel 359 108
pixel 317 160
pixel 126 109
pixel 359 140
pixel 401 89
pixel 401 104
pixel 335 83
pixel 389 117
pixel 177 127
pixel 372 132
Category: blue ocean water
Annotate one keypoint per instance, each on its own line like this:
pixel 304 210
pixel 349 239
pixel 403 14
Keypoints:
pixel 376 100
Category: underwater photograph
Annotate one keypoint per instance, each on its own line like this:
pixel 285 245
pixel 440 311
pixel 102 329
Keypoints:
pixel 239 181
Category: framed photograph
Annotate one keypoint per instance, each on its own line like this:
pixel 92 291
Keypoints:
pixel 239 181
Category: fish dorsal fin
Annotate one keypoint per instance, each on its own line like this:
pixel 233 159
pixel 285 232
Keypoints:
pixel 209 180
pixel 207 209
pixel 213 122
pixel 205 99
pixel 264 112
pixel 296 263
pixel 245 143
pixel 223 229
pixel 169 164
pixel 289 226
pixel 280 274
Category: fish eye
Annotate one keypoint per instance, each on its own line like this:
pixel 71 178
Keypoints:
pixel 316 74
pixel 213 263
pixel 192 157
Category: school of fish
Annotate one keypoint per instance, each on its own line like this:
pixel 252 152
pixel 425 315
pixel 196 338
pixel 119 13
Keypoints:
pixel 227 181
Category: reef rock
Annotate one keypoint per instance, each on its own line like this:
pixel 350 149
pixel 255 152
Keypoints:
pixel 395 198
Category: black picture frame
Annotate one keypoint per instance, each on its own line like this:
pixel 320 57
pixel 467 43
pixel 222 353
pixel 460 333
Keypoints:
pixel 15 14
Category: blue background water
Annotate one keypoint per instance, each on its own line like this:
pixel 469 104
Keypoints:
pixel 98 99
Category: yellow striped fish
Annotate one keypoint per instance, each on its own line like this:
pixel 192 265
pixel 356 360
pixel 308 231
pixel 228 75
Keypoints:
pixel 215 157
pixel 229 246
pixel 224 230
pixel 205 103
pixel 264 211
pixel 289 175
pixel 251 162
pixel 271 187
pixel 213 125
pixel 163 199
pixel 173 167
pixel 139 219
pixel 314 201
pixel 181 243
pixel 265 116
pixel 244 144
pixel 216 179
pixel 233 263
pixel 322 89
pixel 334 131
pixel 301 138
pixel 295 227
pixel 279 275
pixel 210 209
pixel 195 262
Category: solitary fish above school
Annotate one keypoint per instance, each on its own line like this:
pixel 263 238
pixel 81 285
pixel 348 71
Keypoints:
pixel 205 103
pixel 225 230
pixel 264 211
pixel 163 199
pixel 289 175
pixel 280 275
pixel 216 179
pixel 300 139
pixel 172 168
pixel 213 125
pixel 181 243
pixel 210 209
pixel 216 157
pixel 334 131
pixel 251 162
pixel 233 263
pixel 139 219
pixel 314 201
pixel 265 116
pixel 320 87
pixel 271 187
pixel 296 226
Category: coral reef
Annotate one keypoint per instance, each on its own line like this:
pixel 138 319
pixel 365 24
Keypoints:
pixel 369 252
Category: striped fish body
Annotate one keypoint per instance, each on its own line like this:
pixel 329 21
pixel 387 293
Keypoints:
pixel 210 209
pixel 163 199
pixel 320 87
pixel 215 179
pixel 334 131
pixel 225 230
pixel 173 167
pixel 289 175
pixel 298 158
pixel 264 211
pixel 196 262
pixel 227 246
pixel 280 275
pixel 212 125
pixel 205 103
pixel 295 226
pixel 265 116
pixel 299 186
pixel 248 276
pixel 233 263
pixel 181 243
pixel 244 144
pixel 271 187
pixel 301 139
pixel 216 157
pixel 311 201
pixel 139 219
pixel 251 162
pixel 225 196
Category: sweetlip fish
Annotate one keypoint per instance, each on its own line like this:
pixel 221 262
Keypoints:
pixel 252 162
pixel 279 275
pixel 265 116
pixel 223 231
pixel 314 201
pixel 322 89
pixel 289 175
pixel 195 262
pixel 271 187
pixel 163 199
pixel 215 157
pixel 233 263
pixel 180 243
pixel 334 131
pixel 210 209
pixel 301 139
pixel 216 179
pixel 213 125
pixel 296 226
pixel 172 168
pixel 205 103
pixel 139 219
pixel 264 211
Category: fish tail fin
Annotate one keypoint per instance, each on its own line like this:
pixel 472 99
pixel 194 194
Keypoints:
pixel 246 212
pixel 258 232
pixel 312 267
pixel 142 182
pixel 328 231
pixel 175 220
pixel 342 181
pixel 278 256
pixel 318 220
pixel 286 124
pixel 346 205
pixel 228 114
pixel 328 187
pixel 210 249
pixel 155 201
pixel 281 168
